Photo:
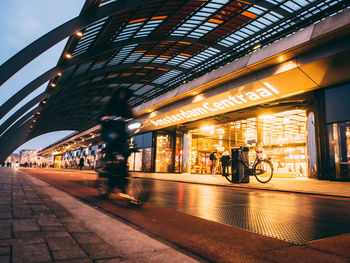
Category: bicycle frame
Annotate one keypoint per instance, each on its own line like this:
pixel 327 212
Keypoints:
pixel 245 163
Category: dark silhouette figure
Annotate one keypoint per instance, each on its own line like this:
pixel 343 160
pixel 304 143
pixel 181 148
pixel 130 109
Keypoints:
pixel 81 163
pixel 113 118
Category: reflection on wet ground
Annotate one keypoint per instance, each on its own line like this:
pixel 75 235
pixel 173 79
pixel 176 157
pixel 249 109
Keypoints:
pixel 290 217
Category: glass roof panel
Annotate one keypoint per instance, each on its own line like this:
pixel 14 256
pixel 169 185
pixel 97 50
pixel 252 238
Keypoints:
pixel 234 27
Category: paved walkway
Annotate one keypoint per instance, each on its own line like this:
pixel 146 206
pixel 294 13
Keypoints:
pixel 39 223
pixel 294 185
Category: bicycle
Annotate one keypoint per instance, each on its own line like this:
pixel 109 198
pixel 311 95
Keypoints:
pixel 113 177
pixel 262 169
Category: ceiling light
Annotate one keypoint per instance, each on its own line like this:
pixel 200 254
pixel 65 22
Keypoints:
pixel 68 55
pixel 133 126
pixel 53 85
pixel 257 46
pixel 79 34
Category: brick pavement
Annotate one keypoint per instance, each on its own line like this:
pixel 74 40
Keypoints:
pixel 35 228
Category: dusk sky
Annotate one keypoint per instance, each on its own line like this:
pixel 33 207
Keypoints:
pixel 22 22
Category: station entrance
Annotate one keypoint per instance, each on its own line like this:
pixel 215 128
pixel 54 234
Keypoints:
pixel 282 137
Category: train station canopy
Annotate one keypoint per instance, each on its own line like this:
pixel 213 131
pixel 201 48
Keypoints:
pixel 147 46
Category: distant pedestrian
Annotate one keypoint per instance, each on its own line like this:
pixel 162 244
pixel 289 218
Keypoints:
pixel 81 163
pixel 214 161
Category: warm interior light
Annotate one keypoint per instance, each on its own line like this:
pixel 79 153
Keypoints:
pixel 207 128
pixel 266 117
pixel 79 34
pixel 68 55
pixel 199 97
pixel 53 85
pixel 281 58
pixel 44 101
pixel 153 114
pixel 59 74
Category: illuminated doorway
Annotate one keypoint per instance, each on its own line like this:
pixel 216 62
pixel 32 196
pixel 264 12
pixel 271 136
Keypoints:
pixel 282 136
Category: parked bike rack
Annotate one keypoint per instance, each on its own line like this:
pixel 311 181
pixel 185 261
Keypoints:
pixel 239 171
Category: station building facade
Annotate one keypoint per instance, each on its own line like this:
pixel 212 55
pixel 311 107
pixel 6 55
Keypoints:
pixel 290 99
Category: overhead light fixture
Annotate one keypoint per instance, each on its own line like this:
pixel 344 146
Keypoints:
pixel 256 47
pixel 68 55
pixel 79 34
pixel 280 58
pixel 134 125
pixel 59 74
pixel 44 101
pixel 207 128
pixel 53 85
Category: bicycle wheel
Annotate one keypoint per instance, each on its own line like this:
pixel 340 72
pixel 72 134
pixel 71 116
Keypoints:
pixel 138 191
pixel 228 177
pixel 263 171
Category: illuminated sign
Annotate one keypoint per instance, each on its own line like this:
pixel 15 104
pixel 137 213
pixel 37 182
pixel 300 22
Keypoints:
pixel 277 86
pixel 248 95
pixel 221 104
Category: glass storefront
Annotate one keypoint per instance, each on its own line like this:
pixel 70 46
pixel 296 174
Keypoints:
pixel 282 136
pixel 141 160
pixel 164 152
pixel 339 149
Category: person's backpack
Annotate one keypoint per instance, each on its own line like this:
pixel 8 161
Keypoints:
pixel 211 156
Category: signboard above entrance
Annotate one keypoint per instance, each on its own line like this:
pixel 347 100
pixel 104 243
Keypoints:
pixel 254 93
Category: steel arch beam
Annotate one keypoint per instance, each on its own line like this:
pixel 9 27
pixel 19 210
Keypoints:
pixel 40 97
pixel 23 57
pixel 21 94
pixel 22 110
pixel 13 144
pixel 24 54
pixel 10 140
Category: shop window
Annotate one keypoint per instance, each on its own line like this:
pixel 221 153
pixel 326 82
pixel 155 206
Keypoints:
pixel 164 152
pixel 282 136
pixel 339 146
pixel 141 160
pixel 147 159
